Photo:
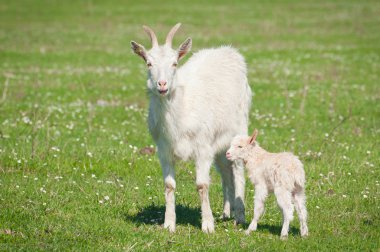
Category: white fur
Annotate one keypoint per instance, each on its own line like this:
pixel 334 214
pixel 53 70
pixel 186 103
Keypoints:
pixel 281 173
pixel 207 103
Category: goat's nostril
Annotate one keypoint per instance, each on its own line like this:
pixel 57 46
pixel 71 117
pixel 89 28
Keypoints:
pixel 162 83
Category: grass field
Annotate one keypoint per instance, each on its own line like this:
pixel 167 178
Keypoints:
pixel 73 111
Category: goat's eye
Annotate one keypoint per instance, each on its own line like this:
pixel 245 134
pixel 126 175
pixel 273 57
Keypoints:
pixel 148 64
pixel 240 146
pixel 175 64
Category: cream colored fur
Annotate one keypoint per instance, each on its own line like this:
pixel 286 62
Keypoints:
pixel 280 173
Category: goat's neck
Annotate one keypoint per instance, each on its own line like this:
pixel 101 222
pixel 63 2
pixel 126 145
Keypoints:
pixel 256 155
pixel 160 106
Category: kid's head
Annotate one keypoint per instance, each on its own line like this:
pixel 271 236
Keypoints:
pixel 240 145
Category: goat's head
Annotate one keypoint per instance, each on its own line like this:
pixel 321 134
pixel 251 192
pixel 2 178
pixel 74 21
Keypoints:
pixel 241 145
pixel 161 60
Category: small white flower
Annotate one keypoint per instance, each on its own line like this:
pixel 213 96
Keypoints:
pixel 317 207
pixel 326 134
pixel 136 188
pixel 55 149
pixel 368 152
pixel 89 154
pixel 101 201
pixel 344 196
pixel 106 197
pixel 93 176
pixel 365 196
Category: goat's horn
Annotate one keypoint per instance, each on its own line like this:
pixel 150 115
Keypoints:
pixel 170 36
pixel 152 35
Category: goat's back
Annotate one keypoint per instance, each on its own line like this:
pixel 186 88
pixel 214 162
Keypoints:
pixel 216 89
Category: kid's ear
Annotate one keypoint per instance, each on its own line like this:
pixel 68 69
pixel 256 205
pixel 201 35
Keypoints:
pixel 139 50
pixel 253 137
pixel 184 48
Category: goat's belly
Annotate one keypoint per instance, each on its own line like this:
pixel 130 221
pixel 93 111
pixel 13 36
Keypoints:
pixel 183 149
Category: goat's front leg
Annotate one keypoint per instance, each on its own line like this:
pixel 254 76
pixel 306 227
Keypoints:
pixel 261 194
pixel 203 182
pixel 167 166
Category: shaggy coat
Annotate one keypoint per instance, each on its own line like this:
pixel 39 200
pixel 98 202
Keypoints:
pixel 194 112
pixel 280 173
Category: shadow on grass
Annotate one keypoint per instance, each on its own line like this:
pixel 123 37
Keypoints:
pixel 274 229
pixel 154 215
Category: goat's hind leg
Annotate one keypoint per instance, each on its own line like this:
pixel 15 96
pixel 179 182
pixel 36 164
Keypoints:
pixel 299 199
pixel 239 185
pixel 284 201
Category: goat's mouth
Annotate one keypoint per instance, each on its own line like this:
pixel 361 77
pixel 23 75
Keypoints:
pixel 163 92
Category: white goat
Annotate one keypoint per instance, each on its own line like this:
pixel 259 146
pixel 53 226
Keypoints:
pixel 281 173
pixel 194 112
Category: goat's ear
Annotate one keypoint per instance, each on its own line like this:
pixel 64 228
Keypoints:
pixel 252 139
pixel 139 50
pixel 184 48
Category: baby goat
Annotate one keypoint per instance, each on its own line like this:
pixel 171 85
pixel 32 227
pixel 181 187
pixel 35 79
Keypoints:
pixel 281 173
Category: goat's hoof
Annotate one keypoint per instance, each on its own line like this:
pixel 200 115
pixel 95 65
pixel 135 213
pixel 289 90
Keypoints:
pixel 225 216
pixel 208 226
pixel 304 233
pixel 170 225
pixel 247 232
pixel 284 237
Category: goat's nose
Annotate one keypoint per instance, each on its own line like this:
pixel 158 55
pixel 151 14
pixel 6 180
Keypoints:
pixel 227 153
pixel 162 83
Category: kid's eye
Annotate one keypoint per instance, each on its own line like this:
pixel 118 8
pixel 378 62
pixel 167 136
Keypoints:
pixel 149 64
pixel 175 64
pixel 240 146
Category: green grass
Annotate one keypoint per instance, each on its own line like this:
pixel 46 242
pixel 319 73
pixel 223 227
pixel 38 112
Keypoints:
pixel 73 110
